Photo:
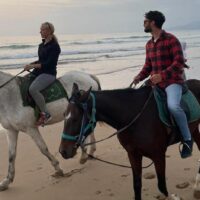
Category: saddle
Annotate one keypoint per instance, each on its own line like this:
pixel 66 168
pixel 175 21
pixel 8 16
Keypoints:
pixel 52 93
pixel 189 104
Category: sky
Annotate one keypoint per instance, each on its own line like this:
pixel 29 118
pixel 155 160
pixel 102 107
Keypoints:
pixel 24 17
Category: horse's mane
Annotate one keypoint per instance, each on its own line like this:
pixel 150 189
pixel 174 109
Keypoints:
pixel 126 91
pixel 97 80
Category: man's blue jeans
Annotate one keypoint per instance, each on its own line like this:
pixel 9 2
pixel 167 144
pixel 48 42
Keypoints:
pixel 174 94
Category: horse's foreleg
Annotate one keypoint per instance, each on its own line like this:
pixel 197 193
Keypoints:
pixel 160 163
pixel 84 155
pixel 93 146
pixel 35 134
pixel 136 164
pixel 12 137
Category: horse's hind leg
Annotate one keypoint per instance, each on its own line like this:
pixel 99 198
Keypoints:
pixel 160 163
pixel 35 134
pixel 196 136
pixel 12 137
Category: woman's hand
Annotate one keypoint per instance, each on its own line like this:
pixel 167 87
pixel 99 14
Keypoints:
pixel 28 67
pixel 31 66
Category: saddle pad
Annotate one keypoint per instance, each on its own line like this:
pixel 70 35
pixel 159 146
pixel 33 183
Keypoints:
pixel 189 104
pixel 52 93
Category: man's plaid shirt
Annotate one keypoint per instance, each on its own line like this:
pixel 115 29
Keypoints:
pixel 165 57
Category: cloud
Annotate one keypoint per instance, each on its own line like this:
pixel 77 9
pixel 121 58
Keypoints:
pixel 91 16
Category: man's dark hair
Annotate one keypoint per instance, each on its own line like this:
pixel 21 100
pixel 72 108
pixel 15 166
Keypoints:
pixel 157 17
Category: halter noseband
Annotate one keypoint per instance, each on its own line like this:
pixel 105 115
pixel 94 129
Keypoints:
pixel 79 139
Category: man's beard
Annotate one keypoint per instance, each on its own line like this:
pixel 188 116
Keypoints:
pixel 147 30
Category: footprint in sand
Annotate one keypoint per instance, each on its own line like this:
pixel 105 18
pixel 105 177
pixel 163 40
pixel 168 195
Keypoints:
pixel 39 168
pixel 196 194
pixel 149 175
pixel 125 175
pixel 187 169
pixel 98 192
pixel 145 189
pixel 39 189
pixel 182 185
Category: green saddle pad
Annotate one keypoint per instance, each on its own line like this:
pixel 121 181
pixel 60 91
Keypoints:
pixel 189 104
pixel 52 93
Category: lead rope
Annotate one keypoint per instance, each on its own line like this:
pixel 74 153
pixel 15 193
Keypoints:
pixel 111 163
pixel 12 78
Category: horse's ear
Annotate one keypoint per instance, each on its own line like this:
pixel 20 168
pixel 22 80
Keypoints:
pixel 75 88
pixel 85 95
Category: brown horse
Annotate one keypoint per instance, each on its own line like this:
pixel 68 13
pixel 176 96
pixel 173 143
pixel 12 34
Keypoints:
pixel 147 136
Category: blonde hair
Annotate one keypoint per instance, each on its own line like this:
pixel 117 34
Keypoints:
pixel 50 26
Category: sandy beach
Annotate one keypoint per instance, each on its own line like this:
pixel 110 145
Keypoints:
pixel 93 180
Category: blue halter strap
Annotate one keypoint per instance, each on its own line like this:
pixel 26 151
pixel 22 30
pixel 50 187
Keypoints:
pixel 84 127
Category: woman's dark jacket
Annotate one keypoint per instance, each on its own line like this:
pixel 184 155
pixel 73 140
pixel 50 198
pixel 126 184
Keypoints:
pixel 48 57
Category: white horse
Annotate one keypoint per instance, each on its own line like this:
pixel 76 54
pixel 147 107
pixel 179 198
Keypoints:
pixel 15 117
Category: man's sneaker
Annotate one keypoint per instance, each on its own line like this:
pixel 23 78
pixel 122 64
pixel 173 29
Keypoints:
pixel 43 119
pixel 187 149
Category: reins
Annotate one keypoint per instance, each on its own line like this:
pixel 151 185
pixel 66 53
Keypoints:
pixel 118 132
pixel 12 78
pixel 125 127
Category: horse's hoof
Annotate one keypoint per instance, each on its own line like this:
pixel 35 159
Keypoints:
pixel 58 174
pixel 3 187
pixel 149 175
pixel 175 197
pixel 83 160
pixel 196 194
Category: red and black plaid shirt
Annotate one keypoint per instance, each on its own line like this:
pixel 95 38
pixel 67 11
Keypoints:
pixel 164 57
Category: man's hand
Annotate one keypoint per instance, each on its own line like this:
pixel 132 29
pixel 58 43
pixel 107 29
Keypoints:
pixel 156 78
pixel 136 80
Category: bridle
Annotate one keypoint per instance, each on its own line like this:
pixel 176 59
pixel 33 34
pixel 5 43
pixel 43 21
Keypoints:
pixel 79 139
pixel 86 128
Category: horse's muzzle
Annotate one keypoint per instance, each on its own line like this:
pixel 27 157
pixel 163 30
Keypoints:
pixel 69 153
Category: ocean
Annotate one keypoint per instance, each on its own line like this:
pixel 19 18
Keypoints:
pixel 99 54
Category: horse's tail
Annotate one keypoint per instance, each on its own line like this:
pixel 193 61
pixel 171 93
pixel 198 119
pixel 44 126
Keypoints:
pixel 97 80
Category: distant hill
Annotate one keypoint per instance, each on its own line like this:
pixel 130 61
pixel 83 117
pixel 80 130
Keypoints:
pixel 189 26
